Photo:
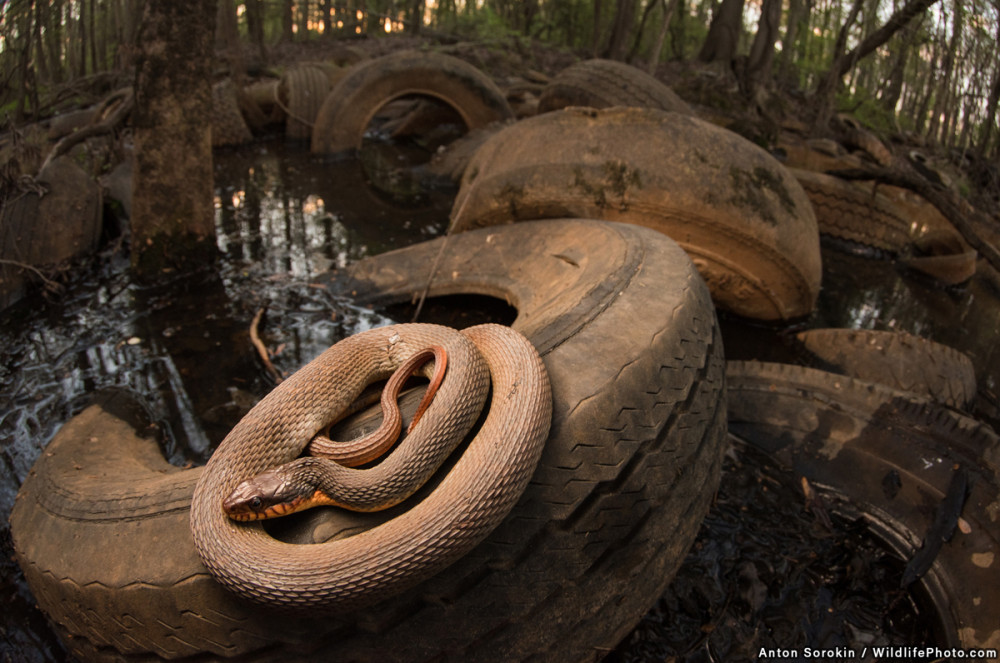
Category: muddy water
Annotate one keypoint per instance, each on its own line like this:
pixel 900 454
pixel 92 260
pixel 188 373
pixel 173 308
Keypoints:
pixel 283 216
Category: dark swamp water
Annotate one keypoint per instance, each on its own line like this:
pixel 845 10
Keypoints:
pixel 762 573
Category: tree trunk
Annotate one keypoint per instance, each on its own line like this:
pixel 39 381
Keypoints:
pixel 661 36
pixel 796 13
pixel 302 8
pixel 416 16
pixel 23 46
pixel 324 8
pixel 947 70
pixel 597 40
pixel 95 63
pixel 42 65
pixel 255 26
pixel 758 69
pixel 920 113
pixel 81 33
pixel 723 33
pixel 637 38
pixel 287 21
pixel 825 93
pixel 227 40
pixel 991 108
pixel 894 81
pixel 622 28
pixel 950 112
pixel 173 213
pixel 53 32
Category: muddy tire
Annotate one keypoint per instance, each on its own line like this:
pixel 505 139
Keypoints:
pixel 890 458
pixel 47 230
pixel 603 83
pixel 302 91
pixel 745 222
pixel 626 477
pixel 846 211
pixel 353 102
pixel 897 360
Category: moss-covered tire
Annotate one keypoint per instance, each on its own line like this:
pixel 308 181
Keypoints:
pixel 602 83
pixel 889 457
pixel 49 228
pixel 745 222
pixel 353 102
pixel 628 335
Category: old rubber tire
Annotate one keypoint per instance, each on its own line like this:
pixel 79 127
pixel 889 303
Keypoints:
pixel 602 83
pixel 846 211
pixel 944 255
pixel 898 360
pixel 745 222
pixel 628 335
pixel 302 91
pixel 353 102
pixel 889 457
pixel 47 230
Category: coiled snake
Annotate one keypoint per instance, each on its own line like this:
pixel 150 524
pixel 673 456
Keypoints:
pixel 475 495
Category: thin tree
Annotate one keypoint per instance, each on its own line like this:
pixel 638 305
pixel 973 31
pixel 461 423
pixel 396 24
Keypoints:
pixel 654 53
pixel 982 148
pixel 843 61
pixel 758 67
pixel 797 11
pixel 893 89
pixel 941 99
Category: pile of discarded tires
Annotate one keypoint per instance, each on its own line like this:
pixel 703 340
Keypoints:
pixel 614 232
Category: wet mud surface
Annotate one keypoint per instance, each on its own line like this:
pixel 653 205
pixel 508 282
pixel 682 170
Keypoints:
pixel 765 572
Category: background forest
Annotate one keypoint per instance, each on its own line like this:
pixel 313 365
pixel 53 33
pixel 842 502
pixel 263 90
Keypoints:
pixel 926 71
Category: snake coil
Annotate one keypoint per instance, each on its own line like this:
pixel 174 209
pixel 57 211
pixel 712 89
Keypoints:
pixel 470 501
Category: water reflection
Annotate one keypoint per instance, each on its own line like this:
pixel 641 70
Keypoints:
pixel 291 213
pixel 183 347
pixel 864 293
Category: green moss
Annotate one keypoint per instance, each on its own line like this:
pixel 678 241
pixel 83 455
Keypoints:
pixel 749 188
pixel 614 184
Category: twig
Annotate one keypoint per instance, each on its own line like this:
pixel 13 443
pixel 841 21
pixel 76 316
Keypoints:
pixel 262 349
pixel 430 278
pixel 49 283
pixel 294 116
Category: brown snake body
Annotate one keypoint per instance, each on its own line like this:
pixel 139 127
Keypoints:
pixel 467 504
pixel 371 446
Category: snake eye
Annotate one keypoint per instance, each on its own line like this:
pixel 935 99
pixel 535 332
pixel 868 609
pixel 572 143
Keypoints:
pixel 256 503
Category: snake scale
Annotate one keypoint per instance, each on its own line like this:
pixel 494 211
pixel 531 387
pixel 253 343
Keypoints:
pixel 469 502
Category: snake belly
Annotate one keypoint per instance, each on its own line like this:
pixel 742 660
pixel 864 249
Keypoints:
pixel 475 495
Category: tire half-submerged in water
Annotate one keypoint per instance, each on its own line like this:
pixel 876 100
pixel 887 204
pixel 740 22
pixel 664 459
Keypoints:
pixel 627 331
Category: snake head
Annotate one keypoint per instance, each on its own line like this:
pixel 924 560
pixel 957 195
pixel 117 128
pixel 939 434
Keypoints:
pixel 268 495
